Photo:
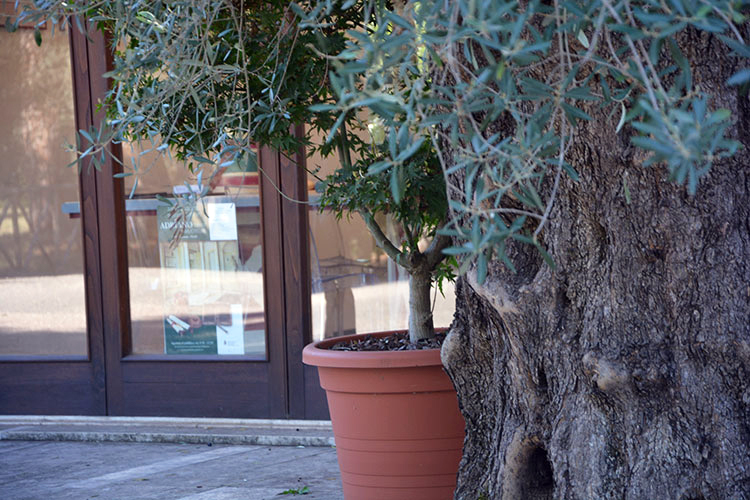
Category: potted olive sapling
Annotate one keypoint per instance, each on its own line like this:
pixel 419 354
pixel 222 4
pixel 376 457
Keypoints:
pixel 398 430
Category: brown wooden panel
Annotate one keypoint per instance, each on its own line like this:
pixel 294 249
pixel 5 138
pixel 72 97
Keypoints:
pixel 316 405
pixel 44 388
pixel 196 389
pixel 197 399
pixel 182 372
pixel 48 397
pixel 24 358
pixel 40 372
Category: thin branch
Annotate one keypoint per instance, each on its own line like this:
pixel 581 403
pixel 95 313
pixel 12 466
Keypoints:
pixel 594 39
pixel 636 57
pixel 434 253
pixel 654 73
pixel 551 201
pixel 726 20
pixel 383 242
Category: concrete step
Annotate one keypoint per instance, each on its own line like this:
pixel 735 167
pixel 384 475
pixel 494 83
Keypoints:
pixel 167 430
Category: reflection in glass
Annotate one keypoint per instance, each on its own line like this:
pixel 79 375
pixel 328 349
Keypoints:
pixel 42 302
pixel 356 288
pixel 196 282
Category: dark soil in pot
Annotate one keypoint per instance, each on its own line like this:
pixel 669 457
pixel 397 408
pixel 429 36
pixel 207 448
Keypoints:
pixel 395 342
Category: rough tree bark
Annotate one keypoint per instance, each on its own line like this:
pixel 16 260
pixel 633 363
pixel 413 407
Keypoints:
pixel 625 372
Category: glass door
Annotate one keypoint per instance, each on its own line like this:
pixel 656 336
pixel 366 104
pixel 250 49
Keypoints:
pixel 48 361
pixel 204 289
pixel 194 299
pixel 104 309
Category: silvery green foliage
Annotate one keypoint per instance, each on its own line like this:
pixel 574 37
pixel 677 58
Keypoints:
pixel 208 80
pixel 506 85
pixel 499 88
pixel 205 80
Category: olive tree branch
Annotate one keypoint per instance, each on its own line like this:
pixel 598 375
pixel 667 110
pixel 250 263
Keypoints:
pixel 383 242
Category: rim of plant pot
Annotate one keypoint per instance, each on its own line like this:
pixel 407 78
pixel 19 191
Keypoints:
pixel 319 354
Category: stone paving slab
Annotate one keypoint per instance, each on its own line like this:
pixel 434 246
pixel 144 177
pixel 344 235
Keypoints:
pixel 159 471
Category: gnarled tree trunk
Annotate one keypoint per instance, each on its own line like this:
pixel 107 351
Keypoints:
pixel 625 372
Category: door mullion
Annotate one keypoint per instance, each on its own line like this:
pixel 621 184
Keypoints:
pixel 112 249
pixel 272 226
pixel 297 311
pixel 89 220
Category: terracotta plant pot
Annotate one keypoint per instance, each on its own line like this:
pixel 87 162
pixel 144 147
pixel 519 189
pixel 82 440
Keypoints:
pixel 395 416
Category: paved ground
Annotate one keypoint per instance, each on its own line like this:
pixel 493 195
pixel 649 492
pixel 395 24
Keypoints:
pixel 44 470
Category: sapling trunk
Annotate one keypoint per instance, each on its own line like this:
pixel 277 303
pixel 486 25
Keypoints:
pixel 420 307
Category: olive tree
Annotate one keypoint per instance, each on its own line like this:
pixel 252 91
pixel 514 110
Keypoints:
pixel 601 212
